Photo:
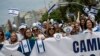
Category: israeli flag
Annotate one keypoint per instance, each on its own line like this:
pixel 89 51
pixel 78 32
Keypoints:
pixel 94 10
pixel 54 6
pixel 26 46
pixel 40 46
pixel 13 11
pixel 1 45
pixel 86 9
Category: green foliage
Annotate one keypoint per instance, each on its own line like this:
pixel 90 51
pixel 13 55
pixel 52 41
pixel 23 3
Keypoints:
pixel 44 17
pixel 60 13
pixel 56 14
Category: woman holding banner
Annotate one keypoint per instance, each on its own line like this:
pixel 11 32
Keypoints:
pixel 26 45
pixel 51 31
pixel 14 38
pixel 89 25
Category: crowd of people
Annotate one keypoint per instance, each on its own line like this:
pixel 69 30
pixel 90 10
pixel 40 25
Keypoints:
pixel 49 29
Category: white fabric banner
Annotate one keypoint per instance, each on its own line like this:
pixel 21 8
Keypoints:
pixel 77 45
pixel 10 50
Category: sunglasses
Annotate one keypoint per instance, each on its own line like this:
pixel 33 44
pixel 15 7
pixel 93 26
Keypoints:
pixel 51 29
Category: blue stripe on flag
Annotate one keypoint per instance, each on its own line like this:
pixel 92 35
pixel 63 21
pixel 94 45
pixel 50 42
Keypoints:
pixel 1 45
pixel 22 47
pixel 30 43
pixel 38 46
pixel 51 8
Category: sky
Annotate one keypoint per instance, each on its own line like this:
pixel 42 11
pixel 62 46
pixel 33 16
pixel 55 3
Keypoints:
pixel 22 5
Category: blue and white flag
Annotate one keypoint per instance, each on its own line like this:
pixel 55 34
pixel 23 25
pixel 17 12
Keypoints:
pixel 26 46
pixel 92 10
pixel 52 8
pixel 40 46
pixel 1 45
pixel 13 11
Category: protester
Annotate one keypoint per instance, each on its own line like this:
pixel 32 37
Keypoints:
pixel 2 38
pixel 57 28
pixel 20 34
pixel 97 27
pixel 44 26
pixel 73 32
pixel 8 34
pixel 82 24
pixel 27 42
pixel 35 31
pixel 78 28
pixel 14 38
pixel 51 31
pixel 89 25
pixel 28 34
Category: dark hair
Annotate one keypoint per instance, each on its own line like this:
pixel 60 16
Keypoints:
pixel 25 36
pixel 2 35
pixel 82 27
pixel 92 55
pixel 49 30
pixel 91 22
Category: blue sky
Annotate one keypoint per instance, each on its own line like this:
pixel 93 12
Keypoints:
pixel 22 5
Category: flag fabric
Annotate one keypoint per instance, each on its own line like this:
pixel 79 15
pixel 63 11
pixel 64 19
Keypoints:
pixel 13 11
pixel 74 45
pixel 54 6
pixel 10 50
pixel 40 46
pixel 92 10
pixel 86 44
pixel 1 45
pixel 26 46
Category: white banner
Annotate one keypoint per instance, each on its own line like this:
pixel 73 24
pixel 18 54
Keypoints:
pixel 10 50
pixel 77 45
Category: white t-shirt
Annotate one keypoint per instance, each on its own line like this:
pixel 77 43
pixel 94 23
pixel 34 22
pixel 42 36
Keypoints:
pixel 5 42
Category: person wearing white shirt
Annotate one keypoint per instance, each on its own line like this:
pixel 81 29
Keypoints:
pixel 89 25
pixel 14 38
pixel 20 34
